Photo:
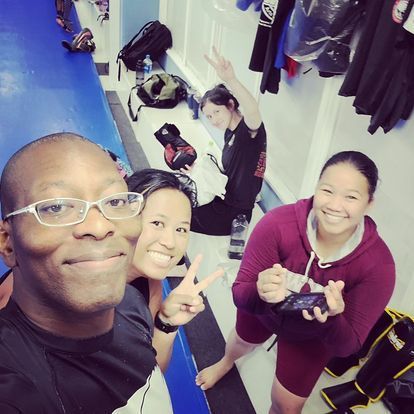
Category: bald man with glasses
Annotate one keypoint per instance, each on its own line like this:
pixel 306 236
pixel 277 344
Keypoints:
pixel 73 339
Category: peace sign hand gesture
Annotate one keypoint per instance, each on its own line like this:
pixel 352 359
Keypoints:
pixel 185 302
pixel 223 67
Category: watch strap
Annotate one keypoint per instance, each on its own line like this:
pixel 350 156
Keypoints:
pixel 163 326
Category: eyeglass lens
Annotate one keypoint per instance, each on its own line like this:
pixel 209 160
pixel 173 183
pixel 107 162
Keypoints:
pixel 66 211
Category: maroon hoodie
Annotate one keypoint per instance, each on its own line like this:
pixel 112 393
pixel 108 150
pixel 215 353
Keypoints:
pixel 368 272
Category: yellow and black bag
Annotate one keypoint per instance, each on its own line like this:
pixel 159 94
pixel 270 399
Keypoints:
pixel 161 90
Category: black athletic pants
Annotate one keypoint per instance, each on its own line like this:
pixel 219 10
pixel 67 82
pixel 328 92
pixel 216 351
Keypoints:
pixel 215 218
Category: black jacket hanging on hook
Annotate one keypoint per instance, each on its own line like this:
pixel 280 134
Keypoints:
pixel 381 73
pixel 321 32
pixel 272 19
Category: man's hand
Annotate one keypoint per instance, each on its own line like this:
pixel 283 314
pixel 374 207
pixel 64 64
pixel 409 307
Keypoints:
pixel 185 302
pixel 334 299
pixel 223 67
pixel 271 284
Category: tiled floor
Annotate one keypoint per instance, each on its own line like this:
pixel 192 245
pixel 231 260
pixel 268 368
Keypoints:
pixel 256 369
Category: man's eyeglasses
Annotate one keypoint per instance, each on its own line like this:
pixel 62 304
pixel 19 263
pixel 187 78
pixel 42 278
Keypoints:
pixel 67 211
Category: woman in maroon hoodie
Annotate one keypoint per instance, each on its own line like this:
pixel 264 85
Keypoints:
pixel 323 244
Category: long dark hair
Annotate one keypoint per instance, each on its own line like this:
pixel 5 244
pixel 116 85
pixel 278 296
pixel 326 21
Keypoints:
pixel 361 162
pixel 149 180
pixel 219 95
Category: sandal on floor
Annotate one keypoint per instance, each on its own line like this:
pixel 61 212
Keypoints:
pixel 64 24
pixel 82 42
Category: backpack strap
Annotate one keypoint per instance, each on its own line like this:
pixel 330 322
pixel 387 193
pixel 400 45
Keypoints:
pixel 214 160
pixel 132 40
pixel 143 28
pixel 133 116
pixel 184 86
pixel 181 80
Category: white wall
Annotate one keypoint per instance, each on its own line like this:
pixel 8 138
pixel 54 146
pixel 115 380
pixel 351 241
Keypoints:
pixel 393 210
pixel 306 122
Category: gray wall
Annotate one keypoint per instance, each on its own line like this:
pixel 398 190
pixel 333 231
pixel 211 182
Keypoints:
pixel 135 13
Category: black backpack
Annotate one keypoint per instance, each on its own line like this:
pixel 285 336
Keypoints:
pixel 153 39
pixel 161 90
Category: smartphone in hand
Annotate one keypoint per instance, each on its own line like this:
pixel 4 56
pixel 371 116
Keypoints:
pixel 296 302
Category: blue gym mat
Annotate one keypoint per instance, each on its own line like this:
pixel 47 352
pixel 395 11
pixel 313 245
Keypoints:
pixel 46 89
pixel 43 87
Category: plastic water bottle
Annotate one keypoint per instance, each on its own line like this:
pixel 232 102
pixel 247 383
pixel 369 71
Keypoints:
pixel 139 73
pixel 147 66
pixel 196 104
pixel 190 97
pixel 239 228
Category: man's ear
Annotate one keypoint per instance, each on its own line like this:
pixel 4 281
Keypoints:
pixel 6 245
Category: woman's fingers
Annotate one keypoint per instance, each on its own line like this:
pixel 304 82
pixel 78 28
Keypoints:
pixel 189 277
pixel 218 61
pixel 270 297
pixel 270 287
pixel 206 282
pixel 216 53
pixel 319 316
pixel 196 309
pixel 271 284
pixel 334 299
pixel 211 61
pixel 270 276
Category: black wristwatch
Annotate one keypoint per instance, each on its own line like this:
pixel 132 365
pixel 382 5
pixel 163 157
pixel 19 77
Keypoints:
pixel 163 326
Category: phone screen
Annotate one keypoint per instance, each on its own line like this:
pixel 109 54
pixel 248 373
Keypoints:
pixel 306 301
pixel 296 302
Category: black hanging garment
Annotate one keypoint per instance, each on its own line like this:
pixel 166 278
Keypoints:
pixel 322 31
pixel 335 57
pixel 380 75
pixel 269 30
pixel 399 394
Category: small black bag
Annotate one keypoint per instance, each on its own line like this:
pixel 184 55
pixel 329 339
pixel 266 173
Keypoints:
pixel 177 151
pixel 153 39
pixel 161 90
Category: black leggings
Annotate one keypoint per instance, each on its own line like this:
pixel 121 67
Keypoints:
pixel 215 218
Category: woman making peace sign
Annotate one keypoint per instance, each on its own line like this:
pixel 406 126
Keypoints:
pixel 244 151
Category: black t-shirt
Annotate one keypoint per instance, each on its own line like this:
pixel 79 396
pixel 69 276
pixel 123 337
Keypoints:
pixel 5 275
pixel 244 162
pixel 41 373
pixel 142 284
